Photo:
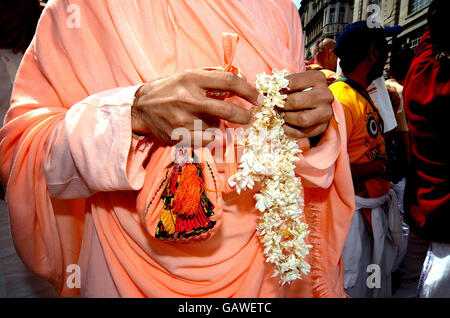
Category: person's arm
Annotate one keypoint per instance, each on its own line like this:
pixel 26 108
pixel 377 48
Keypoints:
pixel 365 171
pixel 176 103
pixel 92 149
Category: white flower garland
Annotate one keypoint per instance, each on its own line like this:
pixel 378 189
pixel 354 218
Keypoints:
pixel 268 158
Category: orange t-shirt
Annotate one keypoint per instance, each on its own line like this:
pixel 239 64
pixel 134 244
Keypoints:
pixel 365 141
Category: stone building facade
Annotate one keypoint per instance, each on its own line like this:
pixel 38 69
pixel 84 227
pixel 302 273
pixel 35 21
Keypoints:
pixel 327 18
pixel 411 14
pixel 323 18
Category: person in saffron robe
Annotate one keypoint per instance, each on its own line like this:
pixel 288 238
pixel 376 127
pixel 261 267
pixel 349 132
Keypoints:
pixel 87 149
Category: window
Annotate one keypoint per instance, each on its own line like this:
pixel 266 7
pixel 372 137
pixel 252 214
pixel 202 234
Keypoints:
pixel 415 5
pixel 332 15
pixel 341 14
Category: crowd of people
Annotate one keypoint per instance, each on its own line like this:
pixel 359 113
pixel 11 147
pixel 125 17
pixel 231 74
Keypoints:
pixel 85 151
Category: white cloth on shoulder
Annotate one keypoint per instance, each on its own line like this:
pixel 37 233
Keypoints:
pixel 379 94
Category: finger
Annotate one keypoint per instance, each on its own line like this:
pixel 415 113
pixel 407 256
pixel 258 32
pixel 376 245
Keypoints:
pixel 308 99
pixel 310 132
pixel 308 118
pixel 227 81
pixel 315 130
pixel 224 110
pixel 301 81
pixel 301 100
pixel 293 132
pixel 210 121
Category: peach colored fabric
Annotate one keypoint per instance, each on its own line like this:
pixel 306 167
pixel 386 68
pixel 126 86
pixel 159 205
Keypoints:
pixel 68 136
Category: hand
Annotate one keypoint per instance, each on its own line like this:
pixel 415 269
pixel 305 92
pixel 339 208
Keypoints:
pixel 307 114
pixel 394 96
pixel 362 172
pixel 394 172
pixel 176 101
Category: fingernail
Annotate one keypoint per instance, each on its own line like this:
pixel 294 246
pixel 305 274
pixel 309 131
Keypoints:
pixel 260 100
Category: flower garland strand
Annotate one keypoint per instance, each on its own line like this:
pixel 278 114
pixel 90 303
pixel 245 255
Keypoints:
pixel 268 159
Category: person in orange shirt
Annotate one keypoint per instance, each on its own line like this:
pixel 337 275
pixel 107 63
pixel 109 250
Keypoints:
pixel 361 64
pixel 324 59
pixel 365 143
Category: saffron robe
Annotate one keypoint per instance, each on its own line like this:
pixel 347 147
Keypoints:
pixel 73 171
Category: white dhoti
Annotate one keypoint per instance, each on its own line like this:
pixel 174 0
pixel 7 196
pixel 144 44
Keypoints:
pixel 370 260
